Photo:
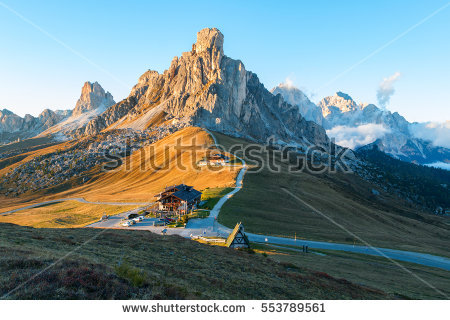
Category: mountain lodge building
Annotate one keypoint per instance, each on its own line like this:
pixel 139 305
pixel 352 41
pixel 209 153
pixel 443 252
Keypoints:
pixel 178 199
pixel 217 159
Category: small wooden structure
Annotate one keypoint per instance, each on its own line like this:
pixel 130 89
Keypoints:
pixel 237 238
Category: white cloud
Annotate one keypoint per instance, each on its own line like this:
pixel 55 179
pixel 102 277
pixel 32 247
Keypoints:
pixel 436 132
pixel 288 82
pixel 386 89
pixel 440 165
pixel 353 137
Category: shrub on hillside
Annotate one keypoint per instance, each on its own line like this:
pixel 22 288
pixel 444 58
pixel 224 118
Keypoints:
pixel 136 276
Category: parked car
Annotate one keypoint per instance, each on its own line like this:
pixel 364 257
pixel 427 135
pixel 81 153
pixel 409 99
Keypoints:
pixel 126 223
pixel 132 215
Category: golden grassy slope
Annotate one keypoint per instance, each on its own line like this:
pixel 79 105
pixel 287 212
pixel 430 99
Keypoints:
pixel 129 183
pixel 370 271
pixel 129 264
pixel 67 214
pixel 137 185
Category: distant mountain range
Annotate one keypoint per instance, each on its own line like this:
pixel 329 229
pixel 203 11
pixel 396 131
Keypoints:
pixel 92 102
pixel 13 127
pixel 203 87
pixel 364 125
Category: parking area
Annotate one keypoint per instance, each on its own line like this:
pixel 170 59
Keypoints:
pixel 116 220
pixel 206 227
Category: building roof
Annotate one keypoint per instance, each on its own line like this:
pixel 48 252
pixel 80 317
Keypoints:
pixel 218 156
pixel 187 195
pixel 177 187
pixel 234 233
pixel 184 192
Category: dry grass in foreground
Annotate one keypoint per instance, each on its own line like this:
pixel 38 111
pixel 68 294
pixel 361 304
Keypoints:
pixel 126 264
pixel 375 272
pixel 67 214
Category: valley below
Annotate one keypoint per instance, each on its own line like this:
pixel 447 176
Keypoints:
pixel 203 184
pixel 384 221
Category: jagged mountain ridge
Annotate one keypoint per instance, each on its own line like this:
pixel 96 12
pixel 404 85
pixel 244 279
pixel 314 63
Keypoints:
pixel 392 133
pixel 13 127
pixel 297 98
pixel 206 88
pixel 93 96
pixel 339 103
pixel 94 100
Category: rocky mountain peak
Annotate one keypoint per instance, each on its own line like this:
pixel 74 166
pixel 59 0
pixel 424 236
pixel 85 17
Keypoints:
pixel 296 97
pixel 13 126
pixel 206 88
pixel 5 112
pixel 343 96
pixel 92 97
pixel 340 102
pixel 209 39
pixel 369 107
pixel 290 93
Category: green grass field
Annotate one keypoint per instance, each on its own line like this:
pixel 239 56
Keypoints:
pixel 212 196
pixel 385 221
pixel 199 213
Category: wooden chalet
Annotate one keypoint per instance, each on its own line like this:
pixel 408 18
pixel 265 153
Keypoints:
pixel 219 157
pixel 178 199
pixel 237 238
pixel 216 159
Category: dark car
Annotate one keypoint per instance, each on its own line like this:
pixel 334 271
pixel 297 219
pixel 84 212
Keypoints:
pixel 132 215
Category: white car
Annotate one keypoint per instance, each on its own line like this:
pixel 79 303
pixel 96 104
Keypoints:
pixel 126 224
pixel 136 219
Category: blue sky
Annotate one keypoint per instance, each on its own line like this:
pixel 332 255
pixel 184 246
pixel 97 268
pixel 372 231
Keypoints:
pixel 309 42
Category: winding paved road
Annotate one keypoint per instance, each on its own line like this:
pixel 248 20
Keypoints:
pixel 210 227
pixel 408 256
